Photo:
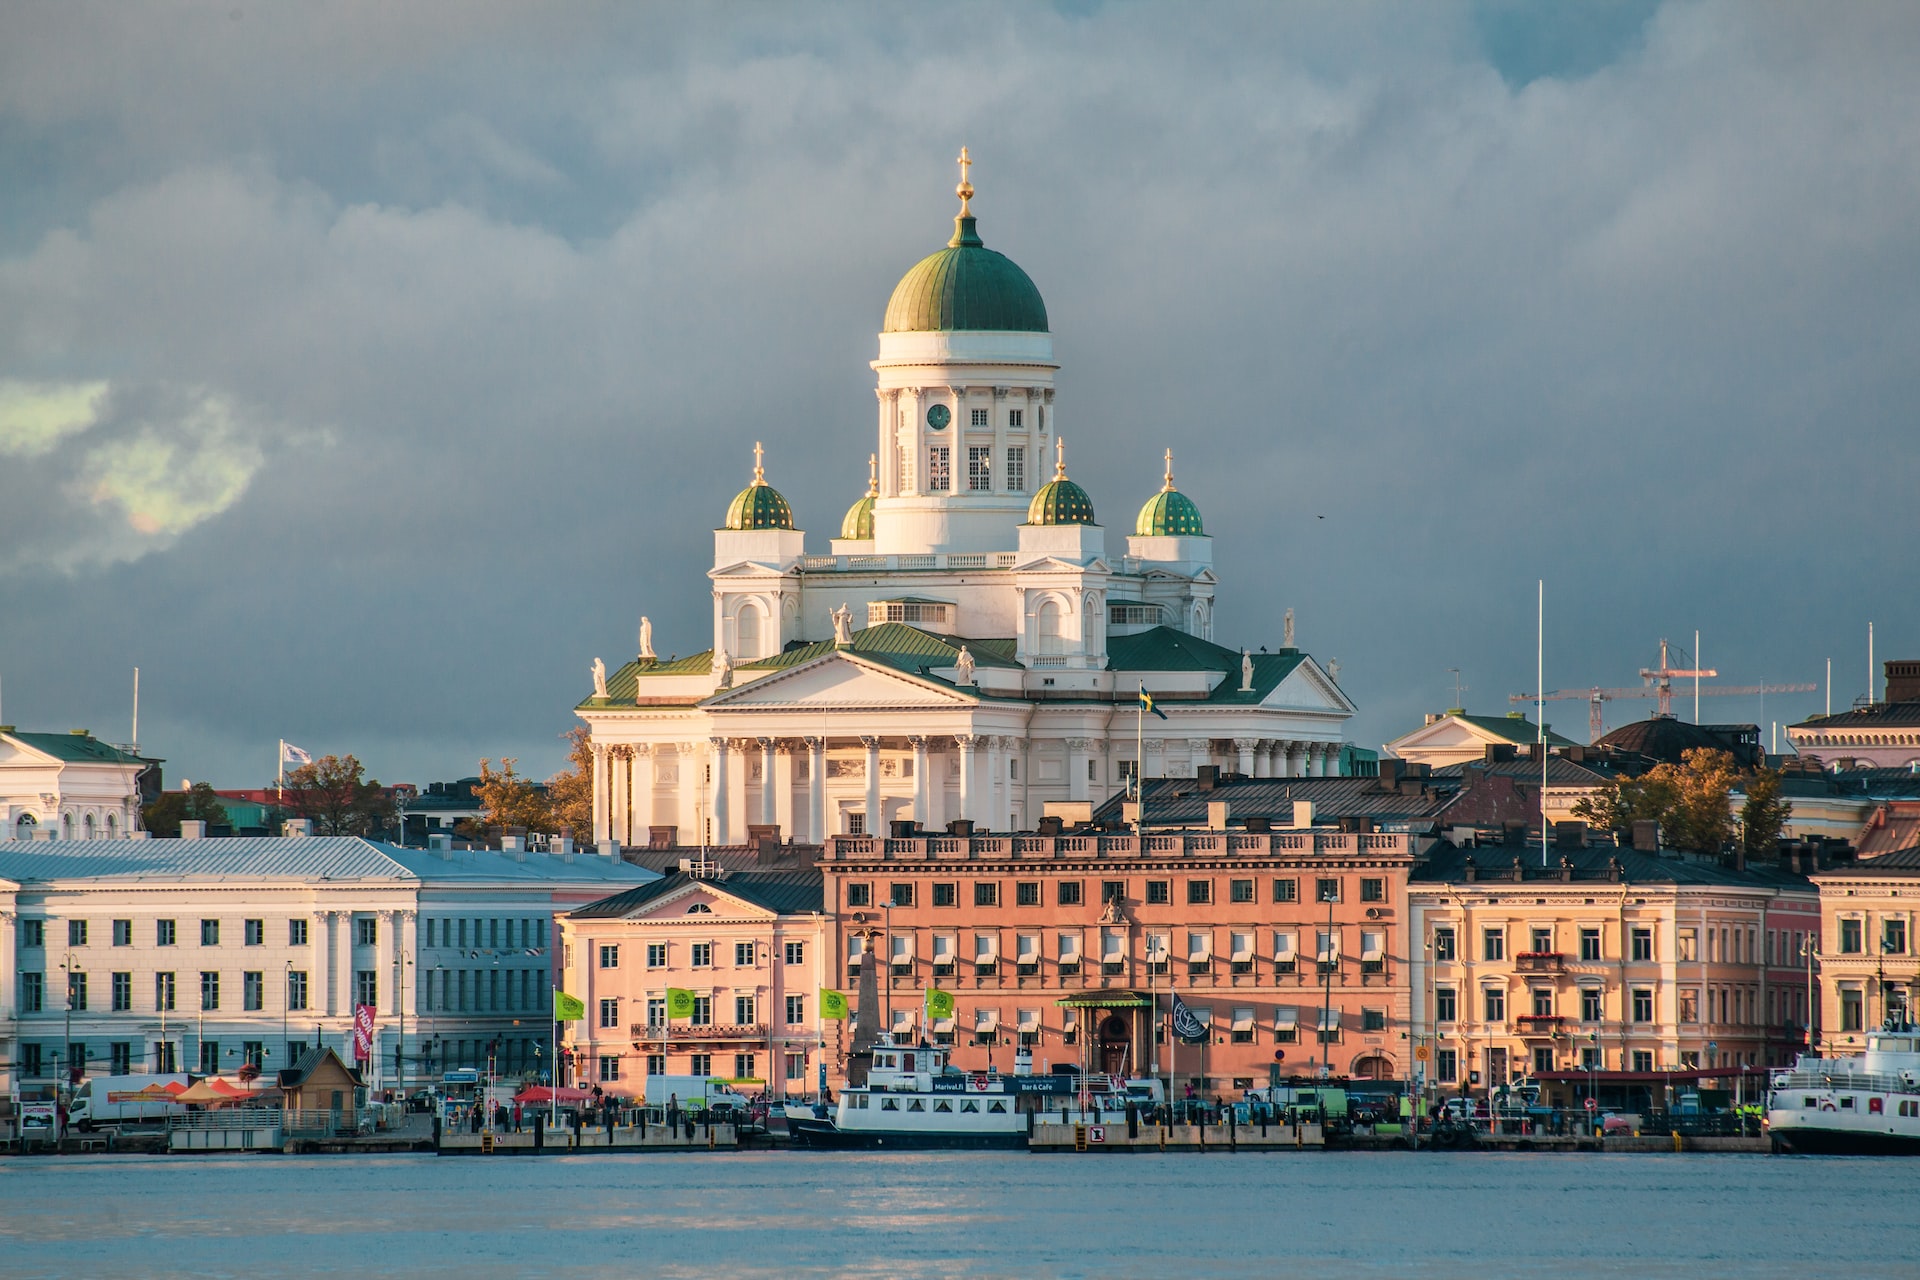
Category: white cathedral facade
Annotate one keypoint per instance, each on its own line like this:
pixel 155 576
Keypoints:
pixel 967 648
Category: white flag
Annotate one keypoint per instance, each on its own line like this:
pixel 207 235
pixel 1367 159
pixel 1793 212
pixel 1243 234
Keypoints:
pixel 290 754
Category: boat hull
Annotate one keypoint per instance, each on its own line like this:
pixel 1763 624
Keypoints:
pixel 825 1134
pixel 1807 1140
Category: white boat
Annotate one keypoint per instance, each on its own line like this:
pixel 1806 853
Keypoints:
pixel 913 1098
pixel 1867 1104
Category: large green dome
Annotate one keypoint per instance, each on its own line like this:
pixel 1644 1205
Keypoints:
pixel 1169 513
pixel 759 505
pixel 965 286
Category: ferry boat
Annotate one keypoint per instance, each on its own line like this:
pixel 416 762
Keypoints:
pixel 1867 1104
pixel 914 1098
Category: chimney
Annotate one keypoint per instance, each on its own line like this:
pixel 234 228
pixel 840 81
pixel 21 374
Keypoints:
pixel 1207 775
pixel 1390 772
pixel 513 844
pixel 1646 836
pixel 298 828
pixel 437 840
pixel 1259 826
pixel 1303 813
pixel 1470 869
pixel 1566 867
pixel 193 829
pixel 562 846
pixel 1217 811
pixel 610 849
pixel 1615 872
pixel 1569 835
pixel 1903 680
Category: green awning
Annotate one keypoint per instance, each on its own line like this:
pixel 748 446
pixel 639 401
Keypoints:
pixel 1105 1000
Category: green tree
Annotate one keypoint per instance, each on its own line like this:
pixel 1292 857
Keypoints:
pixel 335 796
pixel 509 800
pixel 196 804
pixel 570 792
pixel 1764 814
pixel 1691 801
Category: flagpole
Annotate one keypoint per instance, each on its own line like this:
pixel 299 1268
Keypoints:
pixel 280 778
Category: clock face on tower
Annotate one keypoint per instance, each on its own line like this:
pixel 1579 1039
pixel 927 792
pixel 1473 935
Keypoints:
pixel 938 417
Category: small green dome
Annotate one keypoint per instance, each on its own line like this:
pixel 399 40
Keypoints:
pixel 1169 513
pixel 1060 500
pixel 858 526
pixel 759 505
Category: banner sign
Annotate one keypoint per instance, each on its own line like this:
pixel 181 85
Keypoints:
pixel 362 1032
pixel 1185 1025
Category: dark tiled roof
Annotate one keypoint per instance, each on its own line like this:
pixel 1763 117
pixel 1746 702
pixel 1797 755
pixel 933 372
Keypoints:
pixel 1668 738
pixel 1561 772
pixel 783 892
pixel 1880 714
pixel 1181 802
pixel 1447 865
pixel 1899 860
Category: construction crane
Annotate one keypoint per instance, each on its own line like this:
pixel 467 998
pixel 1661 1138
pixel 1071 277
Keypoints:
pixel 1659 687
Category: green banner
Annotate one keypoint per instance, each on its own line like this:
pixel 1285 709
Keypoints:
pixel 679 1002
pixel 833 1004
pixel 939 1003
pixel 568 1008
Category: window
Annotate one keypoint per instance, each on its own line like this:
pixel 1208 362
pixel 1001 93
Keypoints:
pixel 1542 1002
pixel 1542 1060
pixel 657 955
pixel 1446 1066
pixel 297 989
pixel 1159 892
pixel 297 933
pixel 1643 1004
pixel 120 1058
pixel 700 1064
pixel 210 1057
pixel 1373 889
pixel 1643 944
pixel 986 893
pixel 609 1067
pixel 1689 1004
pixel 944 894
pixel 1443 943
pixel 796 953
pixel 1540 941
pixel 743 955
pixel 33 933
pixel 77 992
pixel 1496 1004
pixel 30 1064
pixel 122 994
pixel 209 990
pixel 939 474
pixel 1643 1059
pixel 1850 937
pixel 900 893
pixel 1893 937
pixel 796 1010
pixel 979 418
pixel 744 1012
pixel 979 466
pixel 253 990
pixel 76 933
pixel 163 933
pixel 163 992
pixel 256 933
pixel 1067 893
pixel 610 956
pixel 1446 1004
pixel 1686 945
pixel 1199 891
pixel 701 955
pixel 1113 890
pixel 1026 893
pixel 1590 1004
pixel 1326 890
pixel 1851 1009
pixel 1016 419
pixel 702 1011
pixel 859 893
pixel 209 933
pixel 1016 463
pixel 1590 944
pixel 1373 1019
pixel 1493 944
pixel 656 1064
pixel 610 1012
pixel 743 1065
pixel 253 1053
pixel 366 988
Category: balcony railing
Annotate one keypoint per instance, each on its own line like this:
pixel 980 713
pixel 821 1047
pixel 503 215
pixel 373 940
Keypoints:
pixel 944 848
pixel 1539 1024
pixel 1540 962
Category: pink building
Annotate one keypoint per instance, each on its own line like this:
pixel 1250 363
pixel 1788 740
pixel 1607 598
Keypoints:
pixel 752 948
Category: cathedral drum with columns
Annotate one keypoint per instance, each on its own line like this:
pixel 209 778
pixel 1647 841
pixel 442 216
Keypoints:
pixel 967 649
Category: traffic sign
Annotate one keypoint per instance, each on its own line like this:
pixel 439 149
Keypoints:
pixel 1421 1053
pixel 1593 1104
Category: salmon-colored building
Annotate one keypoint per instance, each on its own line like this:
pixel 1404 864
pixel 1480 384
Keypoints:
pixel 1287 945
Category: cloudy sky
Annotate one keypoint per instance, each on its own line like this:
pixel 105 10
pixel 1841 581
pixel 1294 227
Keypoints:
pixel 366 370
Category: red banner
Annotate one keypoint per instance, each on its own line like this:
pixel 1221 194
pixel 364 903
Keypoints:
pixel 362 1032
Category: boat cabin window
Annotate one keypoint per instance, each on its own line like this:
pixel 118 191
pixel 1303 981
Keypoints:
pixel 1809 1102
pixel 889 1104
pixel 1892 1044
pixel 883 1060
pixel 998 1108
pixel 969 1106
pixel 1847 1103
pixel 943 1105
pixel 916 1105
pixel 906 1062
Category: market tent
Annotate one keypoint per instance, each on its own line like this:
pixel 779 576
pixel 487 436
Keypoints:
pixel 541 1095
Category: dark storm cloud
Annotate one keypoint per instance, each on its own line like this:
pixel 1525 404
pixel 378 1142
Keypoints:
pixel 423 346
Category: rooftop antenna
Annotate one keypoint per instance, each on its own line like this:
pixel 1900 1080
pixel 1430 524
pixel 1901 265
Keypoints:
pixel 1870 680
pixel 135 744
pixel 1696 675
pixel 1458 688
pixel 1540 692
pixel 1829 686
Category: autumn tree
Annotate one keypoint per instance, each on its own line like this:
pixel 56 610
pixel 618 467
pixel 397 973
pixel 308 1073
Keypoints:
pixel 196 804
pixel 334 795
pixel 570 792
pixel 1691 801
pixel 509 800
pixel 1764 814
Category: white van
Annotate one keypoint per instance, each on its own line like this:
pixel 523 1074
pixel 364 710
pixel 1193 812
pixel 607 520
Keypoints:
pixel 694 1094
pixel 122 1100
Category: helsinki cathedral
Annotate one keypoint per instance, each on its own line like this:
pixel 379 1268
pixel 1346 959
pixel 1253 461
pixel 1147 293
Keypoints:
pixel 969 648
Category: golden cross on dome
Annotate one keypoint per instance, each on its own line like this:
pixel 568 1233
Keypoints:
pixel 873 475
pixel 1059 457
pixel 965 189
pixel 759 472
pixel 1169 487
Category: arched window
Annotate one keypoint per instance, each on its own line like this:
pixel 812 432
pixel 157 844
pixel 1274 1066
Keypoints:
pixel 746 633
pixel 66 826
pixel 1047 626
pixel 113 827
pixel 86 827
pixel 23 827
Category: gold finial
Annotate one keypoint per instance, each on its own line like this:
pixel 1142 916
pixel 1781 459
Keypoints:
pixel 873 475
pixel 759 456
pixel 1059 457
pixel 1169 485
pixel 965 189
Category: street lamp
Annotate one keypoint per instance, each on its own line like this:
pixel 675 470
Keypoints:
pixel 1810 948
pixel 286 1003
pixel 1329 894
pixel 66 967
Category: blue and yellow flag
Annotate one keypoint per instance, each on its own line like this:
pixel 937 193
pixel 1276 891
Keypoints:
pixel 1146 702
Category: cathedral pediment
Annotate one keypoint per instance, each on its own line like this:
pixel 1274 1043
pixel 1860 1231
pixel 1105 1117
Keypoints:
pixel 840 680
pixel 704 900
pixel 749 569
pixel 1308 688
pixel 1054 564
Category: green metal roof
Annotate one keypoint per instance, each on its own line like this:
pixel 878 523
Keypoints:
pixel 78 747
pixel 1165 649
pixel 782 892
pixel 965 286
pixel 1169 513
pixel 1060 501
pixel 858 525
pixel 759 506
pixel 1514 728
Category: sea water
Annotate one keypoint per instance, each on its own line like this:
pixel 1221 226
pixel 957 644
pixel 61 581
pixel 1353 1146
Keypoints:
pixel 1328 1216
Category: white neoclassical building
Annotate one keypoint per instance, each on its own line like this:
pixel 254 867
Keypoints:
pixel 67 786
pixel 970 646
